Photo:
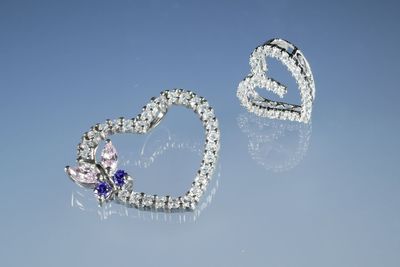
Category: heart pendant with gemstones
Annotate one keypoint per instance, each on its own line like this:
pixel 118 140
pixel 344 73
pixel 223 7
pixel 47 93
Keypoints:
pixel 111 183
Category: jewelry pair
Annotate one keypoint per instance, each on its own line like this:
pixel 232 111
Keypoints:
pixel 112 183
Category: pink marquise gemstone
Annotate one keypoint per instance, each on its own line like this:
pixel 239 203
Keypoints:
pixel 109 157
pixel 84 173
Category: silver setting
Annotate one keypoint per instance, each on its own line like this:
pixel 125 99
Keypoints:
pixel 151 115
pixel 290 56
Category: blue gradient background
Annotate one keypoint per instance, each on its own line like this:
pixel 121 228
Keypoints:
pixel 65 65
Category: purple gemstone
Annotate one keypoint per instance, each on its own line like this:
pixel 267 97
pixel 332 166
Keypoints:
pixel 119 177
pixel 103 189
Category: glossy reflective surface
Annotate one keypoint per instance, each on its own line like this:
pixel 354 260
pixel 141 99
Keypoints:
pixel 284 194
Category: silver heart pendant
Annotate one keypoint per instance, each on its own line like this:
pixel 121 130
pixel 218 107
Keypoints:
pixel 290 56
pixel 112 183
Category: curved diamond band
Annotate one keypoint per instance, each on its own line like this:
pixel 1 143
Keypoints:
pixel 111 183
pixel 289 55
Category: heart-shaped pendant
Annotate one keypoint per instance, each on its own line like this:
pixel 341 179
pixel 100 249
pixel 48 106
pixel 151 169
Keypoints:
pixel 111 183
pixel 290 56
pixel 156 145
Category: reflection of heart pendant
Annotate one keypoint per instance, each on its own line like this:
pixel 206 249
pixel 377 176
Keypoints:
pixel 293 59
pixel 276 145
pixel 109 182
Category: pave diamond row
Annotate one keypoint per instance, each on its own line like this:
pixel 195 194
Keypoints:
pixel 293 59
pixel 151 115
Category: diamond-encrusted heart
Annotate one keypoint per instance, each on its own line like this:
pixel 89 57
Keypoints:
pixel 110 183
pixel 290 56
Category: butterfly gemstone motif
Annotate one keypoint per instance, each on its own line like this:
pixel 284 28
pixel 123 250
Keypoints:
pixel 104 176
pixel 110 183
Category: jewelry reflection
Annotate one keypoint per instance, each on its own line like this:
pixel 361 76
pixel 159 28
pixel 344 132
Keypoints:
pixel 276 145
pixel 156 144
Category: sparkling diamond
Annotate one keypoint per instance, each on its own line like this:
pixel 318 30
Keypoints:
pixel 196 190
pixel 188 202
pixel 207 115
pixel 135 199
pixel 184 98
pixel 173 97
pixel 202 180
pixel 212 146
pixel 90 135
pixel 85 151
pixel 103 127
pixel 160 202
pixel 205 170
pixel 202 108
pixel 194 102
pixel 127 126
pixel 173 203
pixel 123 195
pixel 147 115
pixel 141 126
pixel 148 200
pixel 213 136
pixel 209 157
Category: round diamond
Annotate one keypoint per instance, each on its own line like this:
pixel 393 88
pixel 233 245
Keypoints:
pixel 160 202
pixel 212 146
pixel 147 115
pixel 202 108
pixel 173 203
pixel 205 170
pixel 188 202
pixel 85 151
pixel 196 191
pixel 148 200
pixel 127 126
pixel 123 195
pixel 194 101
pixel 213 136
pixel 202 180
pixel 209 157
pixel 135 198
pixel 173 97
